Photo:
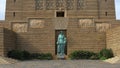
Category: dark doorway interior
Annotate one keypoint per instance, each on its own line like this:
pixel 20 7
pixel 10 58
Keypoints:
pixel 60 14
pixel 56 37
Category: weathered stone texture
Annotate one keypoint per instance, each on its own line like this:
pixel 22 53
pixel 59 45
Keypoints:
pixel 113 40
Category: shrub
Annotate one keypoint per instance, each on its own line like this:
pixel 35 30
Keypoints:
pixel 25 55
pixel 94 57
pixel 82 55
pixel 42 56
pixel 35 55
pixel 15 54
pixel 103 58
pixel 48 56
pixel 105 53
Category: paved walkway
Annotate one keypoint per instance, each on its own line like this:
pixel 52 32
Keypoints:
pixel 62 64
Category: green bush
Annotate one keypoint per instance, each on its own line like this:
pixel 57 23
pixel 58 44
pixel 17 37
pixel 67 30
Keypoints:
pixel 25 55
pixel 83 55
pixel 105 54
pixel 15 54
pixel 103 58
pixel 35 55
pixel 42 56
pixel 94 57
pixel 48 56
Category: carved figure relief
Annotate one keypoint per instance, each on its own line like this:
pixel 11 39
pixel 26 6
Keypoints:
pixel 35 23
pixel 20 27
pixel 101 27
pixel 84 23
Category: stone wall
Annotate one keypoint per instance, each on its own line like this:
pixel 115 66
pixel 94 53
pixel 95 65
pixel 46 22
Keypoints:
pixel 23 9
pixel 85 37
pixel 113 40
pixel 38 34
pixel 35 23
pixel 91 41
pixel 7 41
pixel 1 42
pixel 39 38
pixel 42 42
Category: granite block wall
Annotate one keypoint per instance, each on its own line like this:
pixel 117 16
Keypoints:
pixel 113 40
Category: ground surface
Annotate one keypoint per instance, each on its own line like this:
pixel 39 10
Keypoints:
pixel 61 64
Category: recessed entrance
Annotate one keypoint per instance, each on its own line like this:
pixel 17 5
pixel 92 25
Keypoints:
pixel 56 37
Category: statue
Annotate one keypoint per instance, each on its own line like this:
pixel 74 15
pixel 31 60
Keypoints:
pixel 61 42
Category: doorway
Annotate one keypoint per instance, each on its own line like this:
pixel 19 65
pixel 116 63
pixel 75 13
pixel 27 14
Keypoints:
pixel 56 37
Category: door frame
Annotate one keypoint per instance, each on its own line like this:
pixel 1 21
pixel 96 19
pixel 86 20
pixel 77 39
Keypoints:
pixel 56 36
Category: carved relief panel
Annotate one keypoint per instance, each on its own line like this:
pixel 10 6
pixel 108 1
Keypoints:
pixel 84 23
pixel 36 23
pixel 50 4
pixel 101 27
pixel 39 4
pixel 60 23
pixel 80 4
pixel 20 27
pixel 60 4
pixel 70 4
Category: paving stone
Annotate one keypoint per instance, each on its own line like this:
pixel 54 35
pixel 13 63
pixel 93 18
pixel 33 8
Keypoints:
pixel 61 64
